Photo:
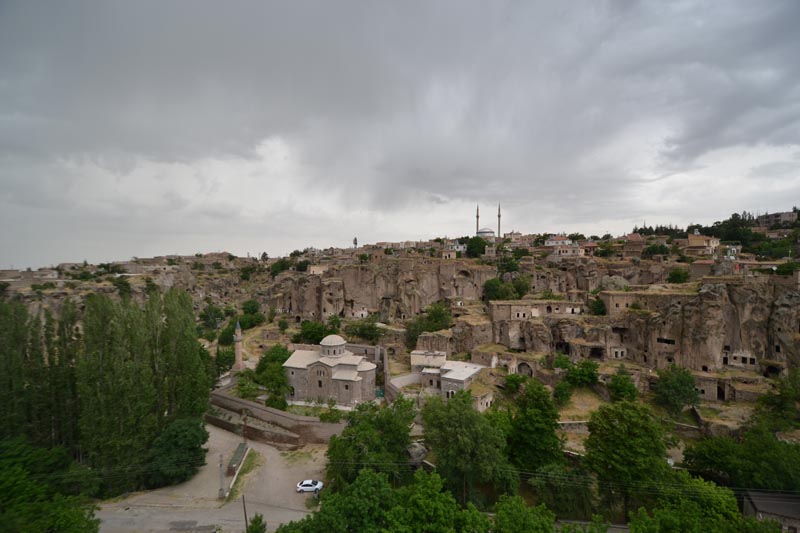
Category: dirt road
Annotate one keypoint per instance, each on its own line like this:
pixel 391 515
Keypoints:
pixel 193 506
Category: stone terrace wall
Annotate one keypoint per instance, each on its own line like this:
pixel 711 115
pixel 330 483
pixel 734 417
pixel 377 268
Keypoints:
pixel 308 428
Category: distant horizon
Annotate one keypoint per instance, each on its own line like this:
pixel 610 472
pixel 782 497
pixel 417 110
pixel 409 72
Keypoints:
pixel 257 254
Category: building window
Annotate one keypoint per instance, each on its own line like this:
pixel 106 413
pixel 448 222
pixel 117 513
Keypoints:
pixel 347 387
pixel 319 384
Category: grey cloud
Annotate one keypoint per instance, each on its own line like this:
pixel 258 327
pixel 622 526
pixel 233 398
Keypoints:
pixel 389 103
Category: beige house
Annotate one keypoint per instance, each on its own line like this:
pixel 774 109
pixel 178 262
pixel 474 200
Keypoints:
pixel 328 371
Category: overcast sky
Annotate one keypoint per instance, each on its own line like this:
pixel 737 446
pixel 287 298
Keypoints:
pixel 149 128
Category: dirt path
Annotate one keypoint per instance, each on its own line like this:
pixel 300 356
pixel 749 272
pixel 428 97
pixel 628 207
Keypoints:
pixel 193 506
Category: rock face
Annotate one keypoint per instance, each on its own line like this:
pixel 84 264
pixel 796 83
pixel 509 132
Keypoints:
pixel 394 288
pixel 741 324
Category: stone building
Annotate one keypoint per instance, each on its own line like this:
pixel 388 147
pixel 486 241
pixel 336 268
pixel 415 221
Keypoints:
pixel 330 371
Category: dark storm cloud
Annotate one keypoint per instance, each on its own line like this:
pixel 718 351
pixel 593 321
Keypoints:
pixel 565 110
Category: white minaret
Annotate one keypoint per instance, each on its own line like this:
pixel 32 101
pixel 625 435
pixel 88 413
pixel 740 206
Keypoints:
pixel 238 364
pixel 498 223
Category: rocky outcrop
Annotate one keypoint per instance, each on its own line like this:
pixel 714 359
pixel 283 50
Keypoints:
pixel 394 288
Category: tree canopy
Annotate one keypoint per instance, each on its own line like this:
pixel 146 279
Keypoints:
pixel 468 448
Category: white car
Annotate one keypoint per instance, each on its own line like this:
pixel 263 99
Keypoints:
pixel 309 485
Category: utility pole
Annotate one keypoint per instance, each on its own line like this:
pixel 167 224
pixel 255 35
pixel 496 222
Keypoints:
pixel 221 494
pixel 244 506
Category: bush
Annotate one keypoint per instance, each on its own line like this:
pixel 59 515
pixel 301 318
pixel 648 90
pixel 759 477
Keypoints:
pixel 562 393
pixel 678 275
pixel 561 361
pixel 584 374
pixel 597 307
pixel 251 321
pixel 177 452
pixel 366 329
pixel 514 382
pixel 283 325
pixel 621 386
pixel 436 317
pixel 675 389
pixel 250 307
pixel 224 360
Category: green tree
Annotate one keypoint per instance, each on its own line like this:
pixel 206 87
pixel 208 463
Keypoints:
pixel 519 253
pixel 375 437
pixel 363 505
pixel 514 383
pixel 366 329
pixel 678 275
pixel 512 515
pixel 211 316
pixel 250 307
pixel 476 247
pixel 582 374
pixel 224 360
pixel 494 289
pixel 759 460
pixel 333 324
pixel 436 317
pixel 562 393
pixel 626 452
pixel 283 325
pixel 468 448
pixel 533 441
pixel 597 307
pixel 178 452
pixel 522 285
pixel 655 249
pixel 689 505
pixel 270 374
pixel 257 525
pixel 123 287
pixel 38 491
pixel 507 264
pixel 311 332
pixel 621 386
pixel 423 506
pixel 564 490
pixel 675 389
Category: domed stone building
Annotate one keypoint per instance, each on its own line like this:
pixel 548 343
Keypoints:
pixel 329 370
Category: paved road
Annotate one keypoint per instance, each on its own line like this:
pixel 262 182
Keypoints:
pixel 193 506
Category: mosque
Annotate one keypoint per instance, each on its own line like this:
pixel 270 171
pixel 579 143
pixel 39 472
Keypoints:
pixel 486 233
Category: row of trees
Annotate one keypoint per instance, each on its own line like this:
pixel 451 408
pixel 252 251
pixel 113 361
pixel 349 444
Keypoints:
pixel 481 457
pixel 116 386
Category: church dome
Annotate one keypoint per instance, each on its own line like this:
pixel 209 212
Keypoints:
pixel 332 346
pixel 332 340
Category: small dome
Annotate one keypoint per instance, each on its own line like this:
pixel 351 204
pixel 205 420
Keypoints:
pixel 332 340
pixel 485 231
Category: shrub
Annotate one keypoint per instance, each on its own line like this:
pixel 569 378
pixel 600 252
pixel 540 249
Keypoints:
pixel 675 389
pixel 177 452
pixel 597 307
pixel 678 275
pixel 561 361
pixel 250 307
pixel 583 374
pixel 621 386
pixel 561 394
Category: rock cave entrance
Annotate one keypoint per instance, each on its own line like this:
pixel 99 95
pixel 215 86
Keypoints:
pixel 562 347
pixel 772 371
pixel 595 352
pixel 525 369
pixel 720 392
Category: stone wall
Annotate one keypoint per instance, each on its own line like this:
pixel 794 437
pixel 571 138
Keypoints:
pixel 307 428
